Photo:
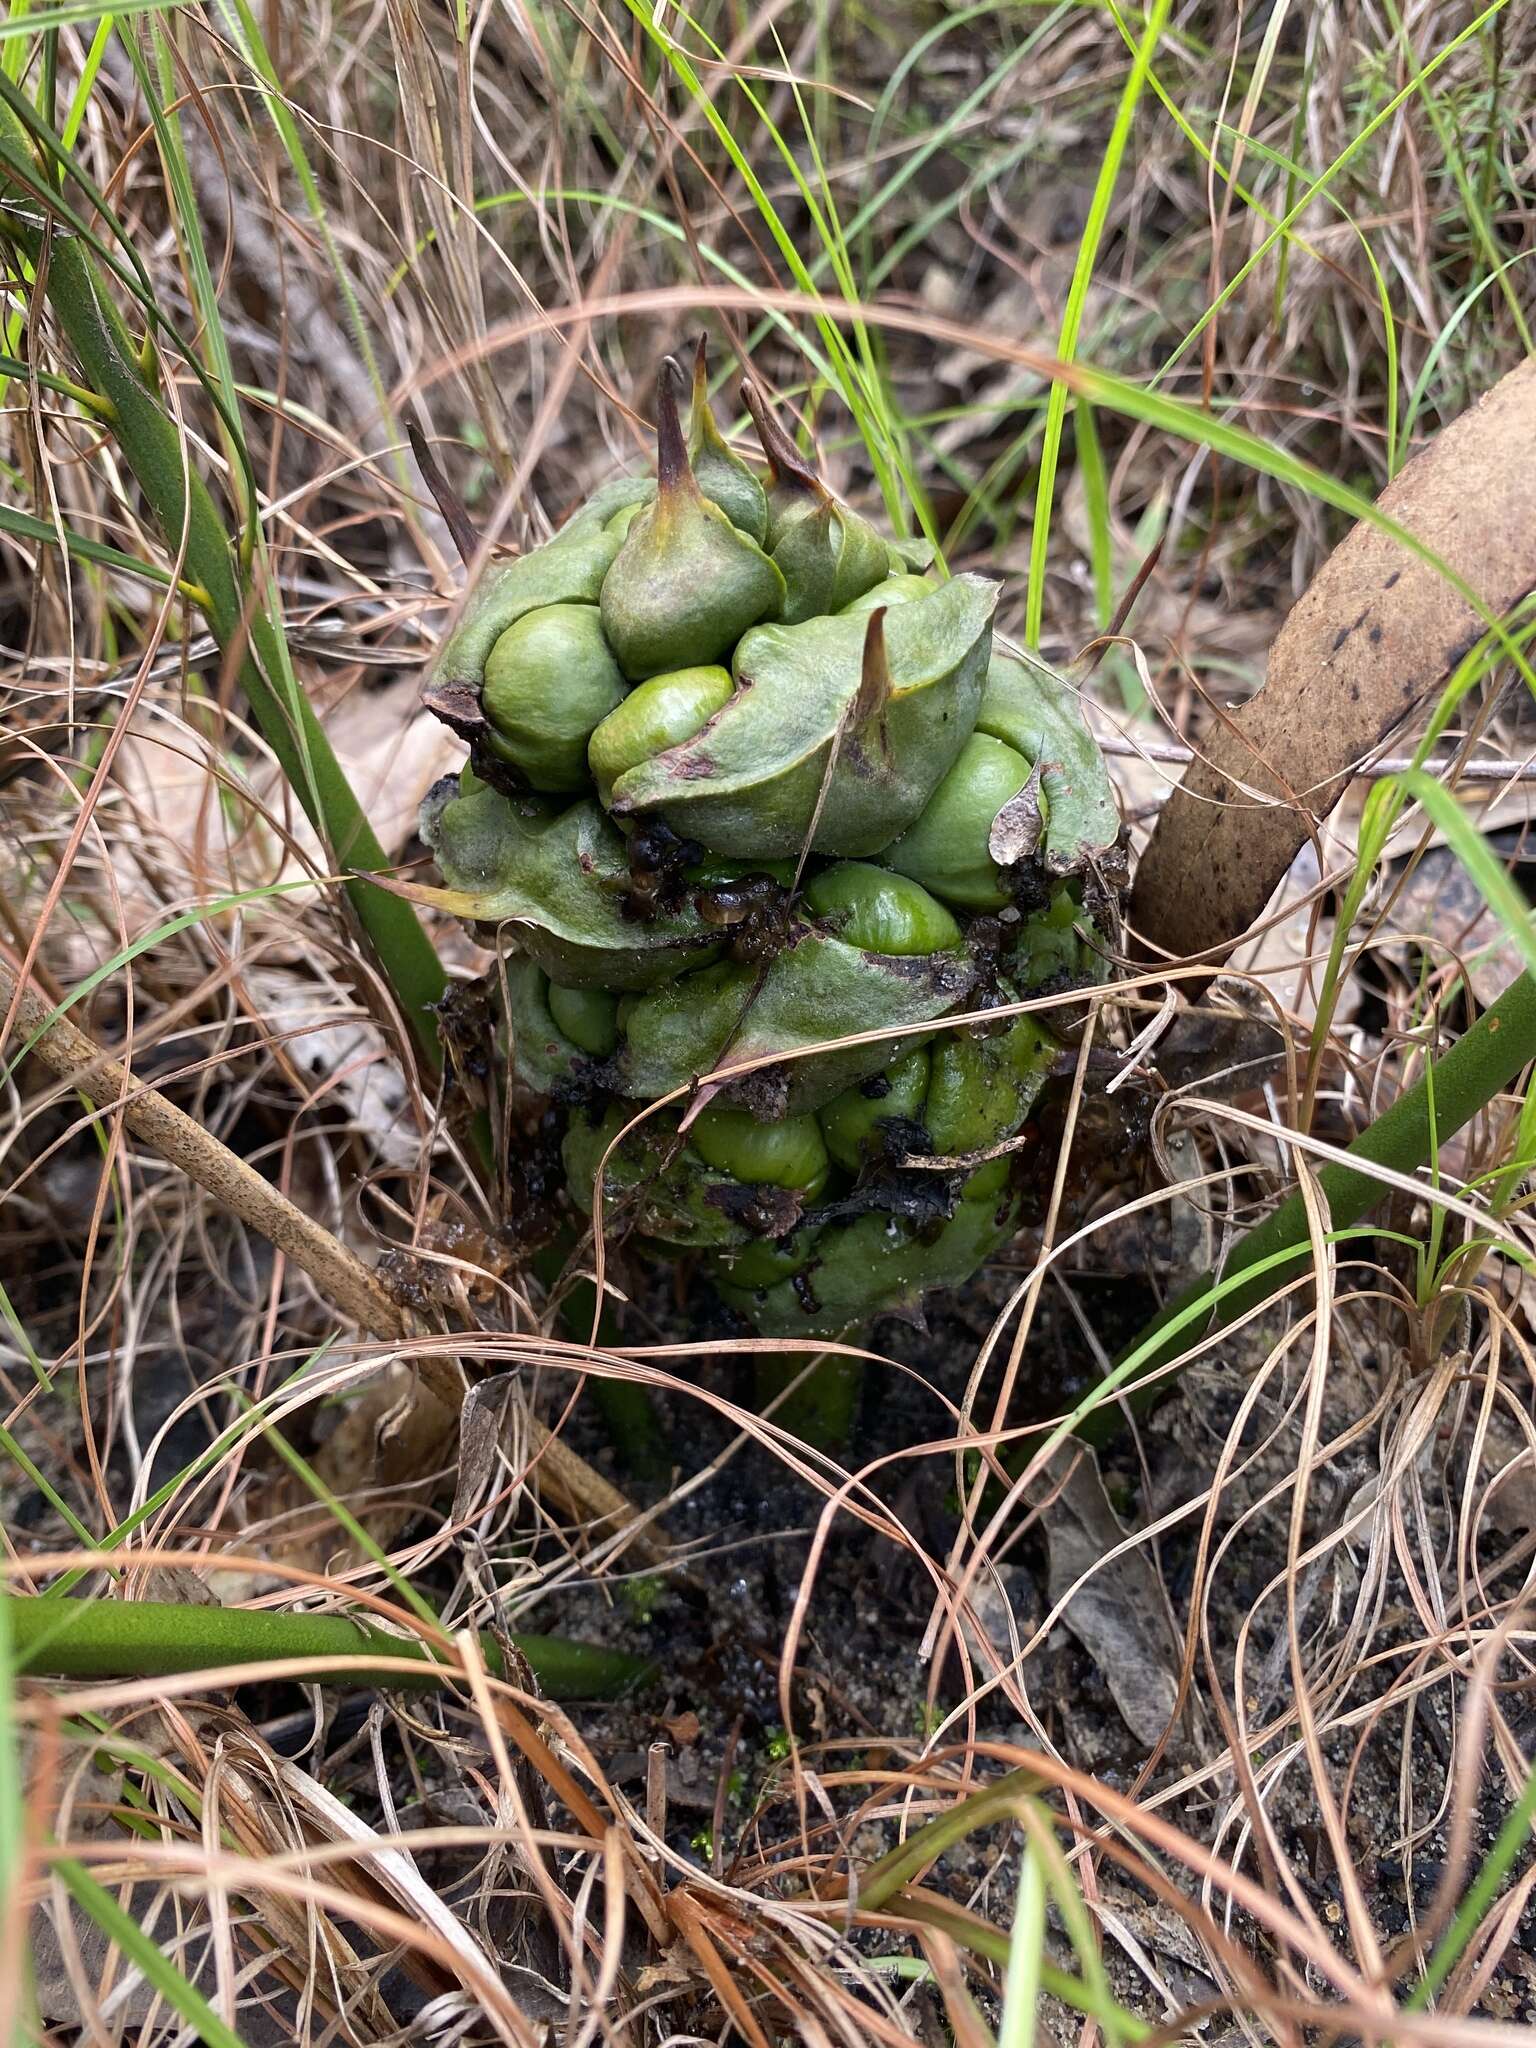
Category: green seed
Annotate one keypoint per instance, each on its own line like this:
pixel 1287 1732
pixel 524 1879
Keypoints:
pixel 894 590
pixel 910 556
pixel 544 1057
pixel 890 710
pixel 980 1091
pixel 567 570
pixel 654 716
pixel 881 912
pixel 790 1154
pixel 946 850
pixel 662 1186
pixel 587 1016
pixel 1048 946
pixel 851 1122
pixel 549 680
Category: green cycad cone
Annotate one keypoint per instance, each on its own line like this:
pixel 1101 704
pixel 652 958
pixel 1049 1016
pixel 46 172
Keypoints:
pixel 814 861
pixel 686 584
pixel 720 473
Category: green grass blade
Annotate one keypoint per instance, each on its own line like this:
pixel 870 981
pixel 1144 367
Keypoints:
pixel 1026 1954
pixel 126 955
pixel 1493 883
pixel 23 526
pixel 146 1955
pixel 1481 1064
pixel 193 528
pixel 1061 1885
pixel 244 1425
pixel 246 31
pixel 1320 184
pixel 361 1541
pixel 85 85
pixel 1446 131
pixel 870 406
pixel 13 1845
pixel 1101 543
pixel 1186 421
pixel 18 24
pixel 23 1342
pixel 1513 1836
pixel 45 1486
pixel 157 83
pixel 1379 816
pixel 1077 295
pixel 1442 341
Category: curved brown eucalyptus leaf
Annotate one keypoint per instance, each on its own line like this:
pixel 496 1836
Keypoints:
pixel 1372 636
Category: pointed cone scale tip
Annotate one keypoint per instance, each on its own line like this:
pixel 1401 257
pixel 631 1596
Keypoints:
pixel 673 471
pixel 875 675
pixel 785 462
pixel 701 414
pixel 455 515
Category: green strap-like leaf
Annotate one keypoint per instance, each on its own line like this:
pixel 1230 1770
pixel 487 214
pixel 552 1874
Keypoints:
pixel 44 534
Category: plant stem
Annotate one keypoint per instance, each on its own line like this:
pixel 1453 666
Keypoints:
pixel 110 1639
pixel 1461 1082
pixel 904 1864
pixel 627 1409
pixel 161 460
pixel 820 1412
